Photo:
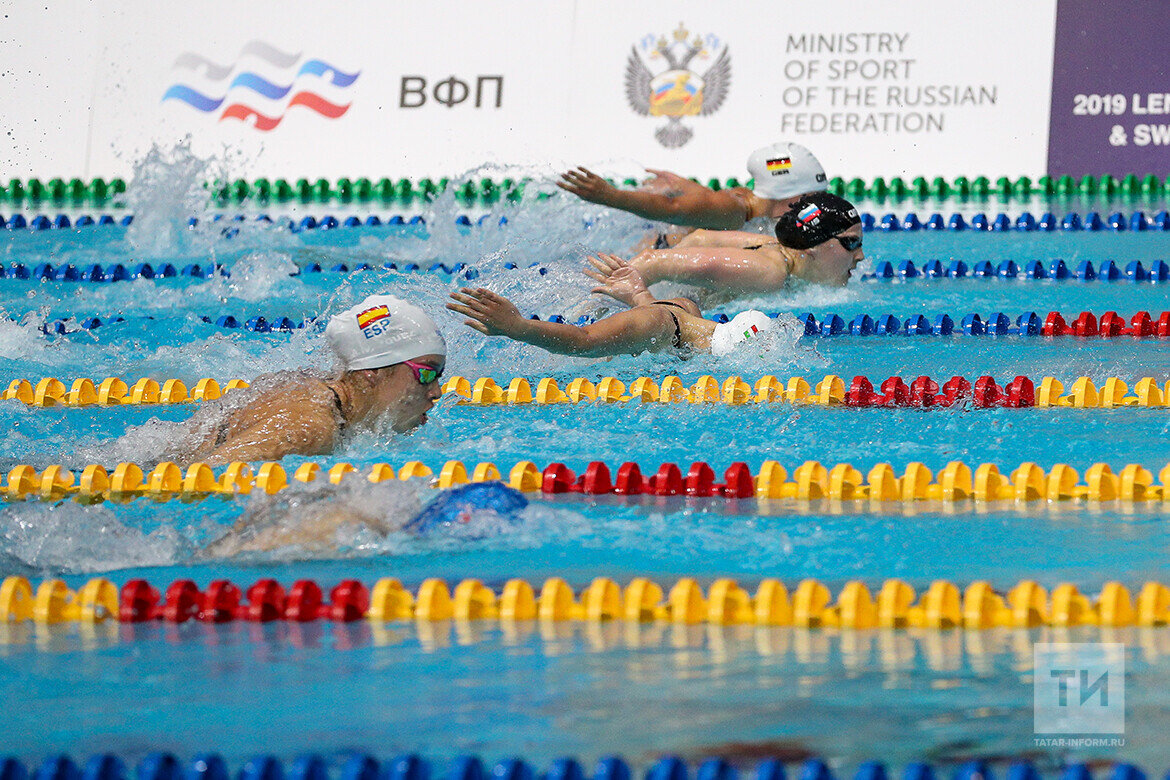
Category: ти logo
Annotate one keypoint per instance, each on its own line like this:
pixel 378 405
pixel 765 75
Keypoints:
pixel 232 79
pixel 1078 688
pixel 675 90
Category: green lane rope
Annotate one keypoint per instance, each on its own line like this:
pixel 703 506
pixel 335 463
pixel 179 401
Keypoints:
pixel 489 191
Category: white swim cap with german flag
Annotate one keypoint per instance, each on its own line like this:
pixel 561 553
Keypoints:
pixel 785 170
pixel 383 330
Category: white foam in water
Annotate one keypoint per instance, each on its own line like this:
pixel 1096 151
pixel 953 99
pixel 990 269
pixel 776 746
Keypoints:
pixel 259 276
pixel 68 537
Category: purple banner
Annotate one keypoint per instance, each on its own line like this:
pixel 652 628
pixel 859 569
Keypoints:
pixel 1111 89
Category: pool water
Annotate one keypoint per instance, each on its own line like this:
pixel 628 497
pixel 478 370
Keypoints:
pixel 642 690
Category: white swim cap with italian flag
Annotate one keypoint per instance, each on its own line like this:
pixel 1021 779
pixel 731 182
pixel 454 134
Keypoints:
pixel 784 170
pixel 743 328
pixel 383 330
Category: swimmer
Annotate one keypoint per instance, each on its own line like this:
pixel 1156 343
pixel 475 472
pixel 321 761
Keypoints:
pixel 391 355
pixel 782 173
pixel 818 240
pixel 674 327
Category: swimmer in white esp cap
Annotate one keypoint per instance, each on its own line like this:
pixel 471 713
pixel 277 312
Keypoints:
pixel 675 327
pixel 391 357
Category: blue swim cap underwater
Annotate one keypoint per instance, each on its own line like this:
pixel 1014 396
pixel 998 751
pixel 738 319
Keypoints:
pixel 466 506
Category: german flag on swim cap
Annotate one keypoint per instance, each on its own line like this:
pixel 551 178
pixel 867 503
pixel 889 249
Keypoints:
pixel 779 165
pixel 368 317
pixel 814 219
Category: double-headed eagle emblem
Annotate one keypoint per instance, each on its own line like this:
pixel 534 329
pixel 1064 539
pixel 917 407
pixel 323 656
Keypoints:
pixel 677 91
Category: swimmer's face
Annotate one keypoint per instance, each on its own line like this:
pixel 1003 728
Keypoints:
pixel 834 264
pixel 398 392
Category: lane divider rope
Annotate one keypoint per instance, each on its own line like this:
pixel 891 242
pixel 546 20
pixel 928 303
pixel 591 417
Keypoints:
pixel 1025 222
pixel 1085 324
pixel 488 190
pixel 810 604
pixel 1106 271
pixel 361 766
pixel 811 481
pixel 921 392
pixel 113 391
pixel 257 324
pixel 884 270
pixel 117 272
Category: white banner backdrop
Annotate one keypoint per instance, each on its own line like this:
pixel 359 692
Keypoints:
pixel 914 87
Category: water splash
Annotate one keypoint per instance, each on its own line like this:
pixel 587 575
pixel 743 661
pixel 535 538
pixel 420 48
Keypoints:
pixel 165 191
pixel 69 537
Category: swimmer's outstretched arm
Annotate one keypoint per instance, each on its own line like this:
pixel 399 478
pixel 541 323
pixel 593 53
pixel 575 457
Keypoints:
pixel 627 332
pixel 685 203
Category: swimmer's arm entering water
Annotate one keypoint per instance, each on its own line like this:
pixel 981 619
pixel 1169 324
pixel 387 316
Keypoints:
pixel 688 204
pixel 629 332
pixel 288 432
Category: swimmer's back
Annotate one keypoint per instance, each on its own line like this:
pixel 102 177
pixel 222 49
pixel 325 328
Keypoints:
pixel 282 407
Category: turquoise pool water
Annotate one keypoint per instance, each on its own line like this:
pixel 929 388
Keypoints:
pixel 643 691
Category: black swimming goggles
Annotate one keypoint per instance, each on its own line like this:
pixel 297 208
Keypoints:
pixel 849 243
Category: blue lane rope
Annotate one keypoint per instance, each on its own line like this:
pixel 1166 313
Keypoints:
pixel 258 324
pixel 1092 221
pixel 118 272
pixel 995 324
pixel 884 270
pixel 1056 269
pixel 360 766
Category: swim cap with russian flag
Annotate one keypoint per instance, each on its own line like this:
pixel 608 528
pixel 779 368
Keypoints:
pixel 383 330
pixel 814 219
pixel 785 170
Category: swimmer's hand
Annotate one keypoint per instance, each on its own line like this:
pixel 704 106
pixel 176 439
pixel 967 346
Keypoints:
pixel 618 280
pixel 490 314
pixel 587 185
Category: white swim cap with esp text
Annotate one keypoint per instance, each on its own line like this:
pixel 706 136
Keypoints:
pixel 381 331
pixel 785 170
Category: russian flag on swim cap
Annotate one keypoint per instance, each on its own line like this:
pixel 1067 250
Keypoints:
pixel 808 213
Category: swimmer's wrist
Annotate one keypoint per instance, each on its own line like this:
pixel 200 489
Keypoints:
pixel 643 298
